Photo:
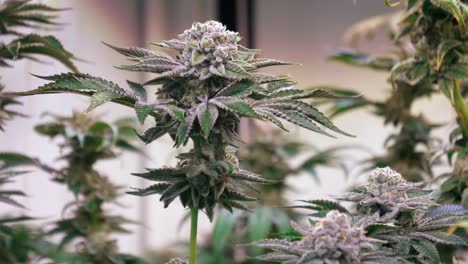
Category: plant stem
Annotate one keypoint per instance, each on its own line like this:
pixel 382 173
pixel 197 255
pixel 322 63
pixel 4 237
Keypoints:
pixel 193 236
pixel 461 107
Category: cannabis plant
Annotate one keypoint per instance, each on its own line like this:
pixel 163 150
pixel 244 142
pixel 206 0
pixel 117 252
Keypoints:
pixel 271 156
pixel 9 163
pixel 12 244
pixel 16 18
pixel 408 149
pixel 402 216
pixel 86 141
pixel 429 38
pixel 332 239
pixel 205 89
pixel 18 242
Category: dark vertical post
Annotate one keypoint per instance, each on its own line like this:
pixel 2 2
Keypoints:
pixel 239 15
pixel 251 24
pixel 227 13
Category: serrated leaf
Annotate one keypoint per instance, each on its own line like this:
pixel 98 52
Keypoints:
pixel 138 90
pixel 83 84
pixel 174 111
pixel 239 88
pixel 309 111
pixel 173 191
pixel 375 228
pixel 139 52
pixel 207 116
pixel 298 119
pixel 164 174
pixel 270 117
pixel 440 237
pixel 427 249
pixel 184 129
pixel 234 71
pixel 265 62
pixel 142 111
pixel 161 67
pixel 157 188
pixel 154 133
pixel 249 176
pixel 326 205
pixel 234 104
pixel 101 97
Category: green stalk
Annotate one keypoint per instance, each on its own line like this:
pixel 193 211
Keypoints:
pixel 193 236
pixel 197 147
pixel 461 107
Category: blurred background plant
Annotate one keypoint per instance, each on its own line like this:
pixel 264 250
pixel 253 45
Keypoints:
pixel 391 220
pixel 19 242
pixel 16 240
pixel 427 58
pixel 16 18
pixel 86 224
pixel 407 150
pixel 20 16
pixel 85 141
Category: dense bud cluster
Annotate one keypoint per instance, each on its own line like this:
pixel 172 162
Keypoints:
pixel 208 47
pixel 388 193
pixel 333 239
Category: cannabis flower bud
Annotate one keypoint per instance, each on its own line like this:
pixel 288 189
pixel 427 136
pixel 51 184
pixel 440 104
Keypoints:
pixel 208 48
pixel 331 240
pixel 387 193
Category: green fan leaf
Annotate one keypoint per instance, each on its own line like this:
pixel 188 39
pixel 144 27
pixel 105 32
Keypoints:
pixel 239 88
pixel 207 116
pixel 157 188
pixel 167 175
pixel 427 249
pixel 234 104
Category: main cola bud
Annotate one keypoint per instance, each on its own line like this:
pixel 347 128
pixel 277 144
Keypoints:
pixel 208 47
pixel 387 193
pixel 333 239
